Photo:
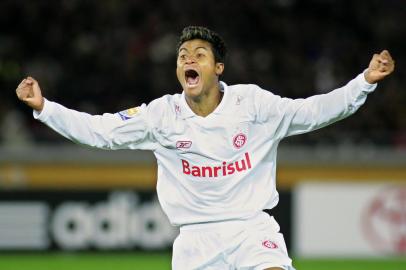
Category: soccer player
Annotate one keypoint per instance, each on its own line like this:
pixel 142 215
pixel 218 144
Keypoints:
pixel 215 146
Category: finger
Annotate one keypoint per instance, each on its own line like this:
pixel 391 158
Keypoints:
pixel 386 55
pixel 28 99
pixel 23 89
pixel 31 80
pixel 391 66
pixel 384 60
pixel 384 52
pixel 386 69
pixel 375 58
pixel 22 94
pixel 386 73
pixel 388 64
pixel 23 82
pixel 374 64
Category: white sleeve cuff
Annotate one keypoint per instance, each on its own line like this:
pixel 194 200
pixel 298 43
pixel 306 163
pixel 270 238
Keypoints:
pixel 46 111
pixel 366 86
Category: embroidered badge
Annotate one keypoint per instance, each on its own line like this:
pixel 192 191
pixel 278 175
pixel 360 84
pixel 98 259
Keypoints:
pixel 128 114
pixel 239 140
pixel 269 244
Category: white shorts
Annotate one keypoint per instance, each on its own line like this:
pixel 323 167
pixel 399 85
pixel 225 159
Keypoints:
pixel 254 244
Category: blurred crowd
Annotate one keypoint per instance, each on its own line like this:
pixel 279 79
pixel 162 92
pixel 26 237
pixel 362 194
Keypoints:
pixel 107 55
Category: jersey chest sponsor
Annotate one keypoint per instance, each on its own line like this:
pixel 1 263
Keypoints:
pixel 223 169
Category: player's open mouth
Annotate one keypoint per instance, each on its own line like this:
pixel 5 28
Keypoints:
pixel 192 78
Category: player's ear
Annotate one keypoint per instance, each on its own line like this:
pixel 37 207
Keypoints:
pixel 219 68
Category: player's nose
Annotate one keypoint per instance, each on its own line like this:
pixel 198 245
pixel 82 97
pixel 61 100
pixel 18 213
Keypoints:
pixel 190 60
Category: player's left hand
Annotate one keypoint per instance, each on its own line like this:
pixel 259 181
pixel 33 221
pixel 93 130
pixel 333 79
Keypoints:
pixel 380 66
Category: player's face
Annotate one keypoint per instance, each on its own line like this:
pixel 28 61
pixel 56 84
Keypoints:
pixel 196 69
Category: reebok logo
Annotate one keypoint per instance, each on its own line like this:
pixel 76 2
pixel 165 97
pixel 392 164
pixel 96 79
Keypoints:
pixel 183 144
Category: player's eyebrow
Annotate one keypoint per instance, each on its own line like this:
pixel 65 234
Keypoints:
pixel 200 47
pixel 183 49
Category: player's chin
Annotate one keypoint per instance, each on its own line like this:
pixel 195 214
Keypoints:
pixel 193 91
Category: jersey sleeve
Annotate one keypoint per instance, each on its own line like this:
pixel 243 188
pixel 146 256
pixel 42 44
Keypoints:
pixel 130 129
pixel 297 116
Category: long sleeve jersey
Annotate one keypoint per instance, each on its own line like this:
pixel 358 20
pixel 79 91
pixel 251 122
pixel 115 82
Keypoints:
pixel 214 168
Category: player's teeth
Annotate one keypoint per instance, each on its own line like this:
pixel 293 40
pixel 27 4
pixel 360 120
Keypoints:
pixel 192 81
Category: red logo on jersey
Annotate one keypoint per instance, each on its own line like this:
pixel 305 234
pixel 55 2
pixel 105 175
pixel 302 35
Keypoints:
pixel 183 144
pixel 269 244
pixel 239 140
pixel 216 171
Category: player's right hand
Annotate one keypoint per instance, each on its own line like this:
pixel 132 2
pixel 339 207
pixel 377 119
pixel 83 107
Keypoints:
pixel 29 92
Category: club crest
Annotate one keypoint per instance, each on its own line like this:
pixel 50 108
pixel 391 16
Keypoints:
pixel 269 244
pixel 239 140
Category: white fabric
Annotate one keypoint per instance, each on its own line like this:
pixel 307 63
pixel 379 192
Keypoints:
pixel 244 245
pixel 214 168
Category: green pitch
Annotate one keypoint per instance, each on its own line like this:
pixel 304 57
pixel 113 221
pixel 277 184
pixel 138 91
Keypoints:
pixel 161 261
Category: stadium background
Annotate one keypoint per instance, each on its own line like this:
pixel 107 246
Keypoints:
pixel 105 56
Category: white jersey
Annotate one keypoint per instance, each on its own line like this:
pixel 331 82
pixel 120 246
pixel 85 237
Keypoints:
pixel 214 168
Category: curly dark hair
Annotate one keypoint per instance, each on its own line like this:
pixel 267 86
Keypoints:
pixel 199 32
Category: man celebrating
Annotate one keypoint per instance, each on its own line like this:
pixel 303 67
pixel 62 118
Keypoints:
pixel 216 150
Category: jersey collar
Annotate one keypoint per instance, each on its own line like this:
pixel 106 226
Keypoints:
pixel 187 111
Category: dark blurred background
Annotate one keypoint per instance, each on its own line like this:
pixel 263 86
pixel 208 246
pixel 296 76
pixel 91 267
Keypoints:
pixel 105 56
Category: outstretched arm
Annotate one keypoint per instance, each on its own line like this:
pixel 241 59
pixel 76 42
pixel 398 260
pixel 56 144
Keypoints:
pixel 107 131
pixel 297 116
pixel 322 110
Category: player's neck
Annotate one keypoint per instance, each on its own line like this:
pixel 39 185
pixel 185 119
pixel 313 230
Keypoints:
pixel 206 104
